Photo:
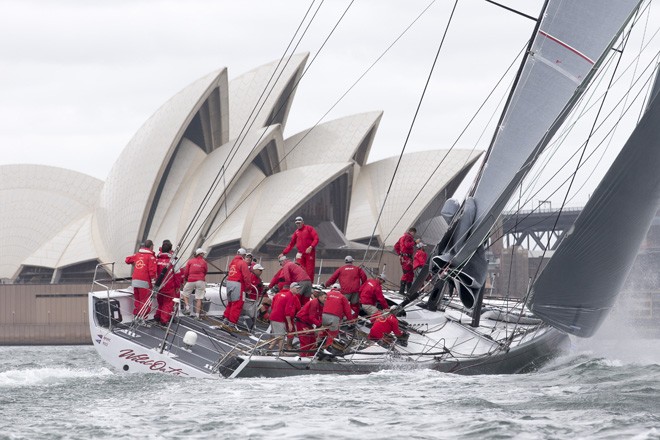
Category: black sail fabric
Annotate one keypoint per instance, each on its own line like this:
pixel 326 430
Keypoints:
pixel 580 284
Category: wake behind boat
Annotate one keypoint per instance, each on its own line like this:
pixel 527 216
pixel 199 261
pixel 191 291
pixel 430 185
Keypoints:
pixel 450 322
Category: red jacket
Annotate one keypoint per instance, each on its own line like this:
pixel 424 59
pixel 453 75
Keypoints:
pixel 284 304
pixel 383 325
pixel 292 272
pixel 337 304
pixel 170 280
pixel 303 238
pixel 371 294
pixel 256 288
pixel 144 265
pixel 420 258
pixel 405 245
pixel 238 271
pixel 311 313
pixel 196 269
pixel 277 280
pixel 350 278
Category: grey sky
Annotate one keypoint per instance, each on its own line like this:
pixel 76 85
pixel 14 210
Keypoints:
pixel 79 77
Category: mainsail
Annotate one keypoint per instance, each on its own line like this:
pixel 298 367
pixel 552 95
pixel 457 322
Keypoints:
pixel 570 42
pixel 580 284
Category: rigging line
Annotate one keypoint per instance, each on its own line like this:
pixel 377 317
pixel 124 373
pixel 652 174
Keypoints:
pixel 235 150
pixel 474 116
pixel 625 110
pixel 336 103
pixel 405 144
pixel 198 212
pixel 459 266
pixel 562 137
pixel 582 154
pixel 513 10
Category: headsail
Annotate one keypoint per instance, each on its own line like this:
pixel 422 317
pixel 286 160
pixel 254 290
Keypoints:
pixel 570 42
pixel 580 284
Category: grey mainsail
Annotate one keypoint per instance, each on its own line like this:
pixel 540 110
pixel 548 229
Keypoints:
pixel 580 284
pixel 570 42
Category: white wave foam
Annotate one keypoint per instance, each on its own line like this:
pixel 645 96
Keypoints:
pixel 46 376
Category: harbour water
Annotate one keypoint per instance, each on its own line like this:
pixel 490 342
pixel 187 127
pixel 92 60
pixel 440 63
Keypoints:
pixel 68 392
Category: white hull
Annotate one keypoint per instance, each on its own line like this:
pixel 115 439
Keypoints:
pixel 439 340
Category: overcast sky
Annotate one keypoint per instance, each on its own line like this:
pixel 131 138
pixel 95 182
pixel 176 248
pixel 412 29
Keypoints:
pixel 79 77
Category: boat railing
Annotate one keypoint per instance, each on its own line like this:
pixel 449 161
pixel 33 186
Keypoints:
pixel 96 282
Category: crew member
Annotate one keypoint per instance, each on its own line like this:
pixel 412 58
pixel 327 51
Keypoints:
pixel 419 260
pixel 257 293
pixel 292 272
pixel 371 295
pixel 383 325
pixel 168 283
pixel 335 308
pixel 195 275
pixel 144 275
pixel 238 280
pixel 283 311
pixel 307 319
pixel 404 249
pixel 350 279
pixel 305 239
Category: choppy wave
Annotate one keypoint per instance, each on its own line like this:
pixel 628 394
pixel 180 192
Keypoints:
pixel 579 395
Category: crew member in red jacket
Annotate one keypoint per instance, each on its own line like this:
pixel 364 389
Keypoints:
pixel 350 279
pixel 168 282
pixel 238 281
pixel 384 324
pixel 305 239
pixel 283 312
pixel 371 295
pixel 335 309
pixel 307 319
pixel 292 273
pixel 144 275
pixel 419 260
pixel 404 249
pixel 195 274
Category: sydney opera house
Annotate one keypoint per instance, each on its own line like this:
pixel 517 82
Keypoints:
pixel 214 167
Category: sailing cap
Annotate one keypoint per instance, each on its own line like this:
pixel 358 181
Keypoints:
pixel 294 285
pixel 348 259
pixel 257 267
pixel 335 286
pixel 282 258
pixel 299 219
pixel 382 276
pixel 200 251
pixel 241 251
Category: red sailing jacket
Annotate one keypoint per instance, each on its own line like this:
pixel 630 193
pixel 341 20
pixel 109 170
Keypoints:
pixel 420 258
pixel 303 238
pixel 196 269
pixel 144 265
pixel 284 304
pixel 238 271
pixel 371 294
pixel 383 325
pixel 292 272
pixel 277 280
pixel 170 280
pixel 258 289
pixel 350 278
pixel 337 304
pixel 311 313
pixel 405 245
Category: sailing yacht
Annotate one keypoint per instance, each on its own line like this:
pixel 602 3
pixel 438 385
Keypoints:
pixel 452 325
